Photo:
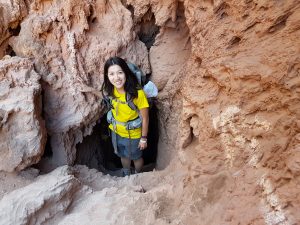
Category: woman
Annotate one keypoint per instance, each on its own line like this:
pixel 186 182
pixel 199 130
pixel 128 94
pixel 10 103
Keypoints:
pixel 129 116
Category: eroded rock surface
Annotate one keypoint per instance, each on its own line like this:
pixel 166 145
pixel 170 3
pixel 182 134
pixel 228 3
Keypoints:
pixel 43 201
pixel 241 107
pixel 70 40
pixel 11 14
pixel 22 130
pixel 228 74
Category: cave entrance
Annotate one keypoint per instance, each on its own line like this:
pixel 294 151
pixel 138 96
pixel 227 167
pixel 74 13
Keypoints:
pixel 96 150
pixel 147 30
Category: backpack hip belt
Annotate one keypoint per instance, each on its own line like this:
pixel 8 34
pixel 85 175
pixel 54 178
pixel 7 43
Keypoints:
pixel 129 125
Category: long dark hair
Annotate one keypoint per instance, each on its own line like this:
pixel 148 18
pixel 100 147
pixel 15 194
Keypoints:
pixel 131 84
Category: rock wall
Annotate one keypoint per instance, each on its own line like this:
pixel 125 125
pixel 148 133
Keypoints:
pixel 11 14
pixel 69 41
pixel 228 75
pixel 241 109
pixel 22 129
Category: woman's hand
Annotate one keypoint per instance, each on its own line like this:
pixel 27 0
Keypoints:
pixel 145 117
pixel 143 143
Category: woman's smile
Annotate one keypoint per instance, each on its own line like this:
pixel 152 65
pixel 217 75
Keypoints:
pixel 117 77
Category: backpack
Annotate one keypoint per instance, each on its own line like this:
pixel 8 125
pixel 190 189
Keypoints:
pixel 149 87
pixel 140 76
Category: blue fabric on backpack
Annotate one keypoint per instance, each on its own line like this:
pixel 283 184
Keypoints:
pixel 137 72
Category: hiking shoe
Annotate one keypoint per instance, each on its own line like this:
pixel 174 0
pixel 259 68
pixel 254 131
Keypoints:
pixel 133 171
pixel 125 172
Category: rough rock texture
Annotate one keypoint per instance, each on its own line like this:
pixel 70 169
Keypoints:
pixel 11 13
pixel 69 41
pixel 43 201
pixel 171 50
pixel 228 74
pixel 12 181
pixel 22 130
pixel 241 108
pixel 81 196
pixel 240 122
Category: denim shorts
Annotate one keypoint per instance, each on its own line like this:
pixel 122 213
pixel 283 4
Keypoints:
pixel 128 148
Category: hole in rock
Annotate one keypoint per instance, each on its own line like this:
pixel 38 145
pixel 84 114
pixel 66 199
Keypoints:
pixel 9 51
pixel 15 31
pixel 131 9
pixel 148 30
pixel 48 150
pixel 234 41
pixel 96 150
pixel 44 165
pixel 91 18
pixel 221 10
pixel 279 23
pixel 94 20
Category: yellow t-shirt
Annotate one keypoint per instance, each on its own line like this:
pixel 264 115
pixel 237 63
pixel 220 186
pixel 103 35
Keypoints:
pixel 123 113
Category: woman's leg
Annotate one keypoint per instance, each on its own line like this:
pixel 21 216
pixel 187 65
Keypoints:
pixel 126 165
pixel 125 162
pixel 138 164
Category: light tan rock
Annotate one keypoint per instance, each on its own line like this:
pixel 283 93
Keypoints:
pixel 11 14
pixel 22 133
pixel 70 40
pixel 171 50
pixel 43 201
pixel 12 181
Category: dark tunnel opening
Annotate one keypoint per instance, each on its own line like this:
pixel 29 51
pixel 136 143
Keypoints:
pixel 15 31
pixel 9 51
pixel 96 150
pixel 147 30
pixel 48 150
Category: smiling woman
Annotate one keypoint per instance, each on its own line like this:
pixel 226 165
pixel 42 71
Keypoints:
pixel 129 114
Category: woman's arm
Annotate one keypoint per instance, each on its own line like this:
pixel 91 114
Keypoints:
pixel 145 123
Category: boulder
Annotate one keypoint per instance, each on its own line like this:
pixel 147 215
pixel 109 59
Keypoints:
pixel 22 129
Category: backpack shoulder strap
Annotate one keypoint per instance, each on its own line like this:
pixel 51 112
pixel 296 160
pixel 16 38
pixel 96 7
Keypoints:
pixel 130 103
pixel 107 102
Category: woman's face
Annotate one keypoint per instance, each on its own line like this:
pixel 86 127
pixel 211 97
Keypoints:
pixel 116 76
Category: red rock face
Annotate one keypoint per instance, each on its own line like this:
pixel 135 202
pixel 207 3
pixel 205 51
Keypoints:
pixel 240 105
pixel 228 75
